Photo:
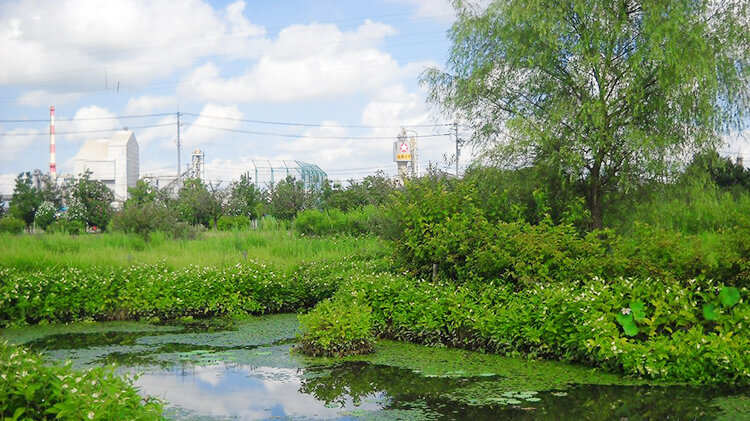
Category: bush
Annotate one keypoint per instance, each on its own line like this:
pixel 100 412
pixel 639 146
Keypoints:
pixel 336 329
pixel 229 223
pixel 29 389
pixel 361 221
pixel 67 226
pixel 45 215
pixel 68 294
pixel 143 219
pixel 454 231
pixel 692 331
pixel 12 225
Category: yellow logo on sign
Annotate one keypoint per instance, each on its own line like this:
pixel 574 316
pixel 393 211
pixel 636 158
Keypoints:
pixel 403 156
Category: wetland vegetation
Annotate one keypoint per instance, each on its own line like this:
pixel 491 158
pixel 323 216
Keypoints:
pixel 593 262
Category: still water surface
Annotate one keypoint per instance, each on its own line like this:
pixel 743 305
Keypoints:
pixel 244 369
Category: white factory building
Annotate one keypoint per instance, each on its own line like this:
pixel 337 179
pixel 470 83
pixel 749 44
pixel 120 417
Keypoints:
pixel 113 161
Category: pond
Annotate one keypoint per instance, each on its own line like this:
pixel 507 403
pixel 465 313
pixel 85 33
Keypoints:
pixel 245 369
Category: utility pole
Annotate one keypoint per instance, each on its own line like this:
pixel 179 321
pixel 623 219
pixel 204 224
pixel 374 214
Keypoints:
pixel 458 146
pixel 178 143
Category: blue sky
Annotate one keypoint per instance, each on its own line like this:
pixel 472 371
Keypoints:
pixel 331 64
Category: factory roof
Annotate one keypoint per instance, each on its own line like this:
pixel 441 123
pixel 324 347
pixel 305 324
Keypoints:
pixel 98 150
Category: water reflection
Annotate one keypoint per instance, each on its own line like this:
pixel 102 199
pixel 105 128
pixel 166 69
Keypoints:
pixel 243 392
pixel 244 370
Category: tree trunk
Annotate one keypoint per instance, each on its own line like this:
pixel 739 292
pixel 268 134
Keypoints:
pixel 595 197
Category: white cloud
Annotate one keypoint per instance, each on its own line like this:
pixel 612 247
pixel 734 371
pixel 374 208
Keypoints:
pixel 305 62
pixel 148 104
pixel 440 10
pixel 738 143
pixel 91 122
pixel 199 135
pixel 326 153
pixel 350 152
pixel 7 184
pixel 44 97
pixel 70 45
pixel 167 132
pixel 16 141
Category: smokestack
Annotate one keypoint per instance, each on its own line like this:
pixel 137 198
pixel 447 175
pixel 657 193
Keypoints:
pixel 52 160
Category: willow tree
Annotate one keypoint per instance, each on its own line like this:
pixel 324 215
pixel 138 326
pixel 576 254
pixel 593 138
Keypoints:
pixel 606 93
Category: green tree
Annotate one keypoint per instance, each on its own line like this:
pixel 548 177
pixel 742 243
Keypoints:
pixel 50 191
pixel 244 198
pixel 198 203
pixel 606 94
pixel 372 190
pixel 141 193
pixel 45 214
pixel 25 199
pixel 288 197
pixel 95 199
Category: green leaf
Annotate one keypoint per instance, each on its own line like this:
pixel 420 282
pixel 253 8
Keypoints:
pixel 638 310
pixel 627 323
pixel 29 392
pixel 709 311
pixel 729 296
pixel 19 411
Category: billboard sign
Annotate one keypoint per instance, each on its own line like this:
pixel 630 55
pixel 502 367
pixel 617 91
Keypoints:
pixel 401 151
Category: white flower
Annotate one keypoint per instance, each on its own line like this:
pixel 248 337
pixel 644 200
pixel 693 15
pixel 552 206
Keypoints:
pixel 91 415
pixel 625 311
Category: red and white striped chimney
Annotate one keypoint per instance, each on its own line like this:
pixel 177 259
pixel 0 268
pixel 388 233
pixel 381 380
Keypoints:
pixel 52 161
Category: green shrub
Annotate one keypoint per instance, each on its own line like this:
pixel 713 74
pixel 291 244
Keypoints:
pixel 12 225
pixel 143 219
pixel 31 390
pixel 229 223
pixel 67 226
pixel 63 294
pixel 360 221
pixel 313 222
pixel 271 223
pixel 45 215
pixel 692 331
pixel 336 329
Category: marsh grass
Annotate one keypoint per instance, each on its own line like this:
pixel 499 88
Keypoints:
pixel 217 249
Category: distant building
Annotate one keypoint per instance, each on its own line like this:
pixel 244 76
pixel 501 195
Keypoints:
pixel 113 161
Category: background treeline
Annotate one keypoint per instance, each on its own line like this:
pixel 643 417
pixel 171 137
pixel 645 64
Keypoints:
pixel 708 196
pixel 75 206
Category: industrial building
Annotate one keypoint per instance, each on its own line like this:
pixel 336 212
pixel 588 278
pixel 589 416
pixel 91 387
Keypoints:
pixel 113 161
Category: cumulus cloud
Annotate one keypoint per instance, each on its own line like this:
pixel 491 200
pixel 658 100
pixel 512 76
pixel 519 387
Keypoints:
pixel 66 46
pixel 14 142
pixel 148 104
pixel 440 10
pixel 43 97
pixel 306 62
pixel 351 152
pixel 7 184
pixel 91 122
pixel 199 133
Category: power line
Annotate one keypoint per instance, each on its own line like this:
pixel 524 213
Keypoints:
pixel 58 119
pixel 277 123
pixel 304 136
pixel 282 123
pixel 90 131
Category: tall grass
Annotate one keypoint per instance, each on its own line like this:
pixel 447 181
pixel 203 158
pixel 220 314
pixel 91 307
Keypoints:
pixel 694 206
pixel 216 249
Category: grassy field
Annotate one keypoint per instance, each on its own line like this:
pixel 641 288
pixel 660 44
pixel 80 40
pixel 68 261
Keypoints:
pixel 217 249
